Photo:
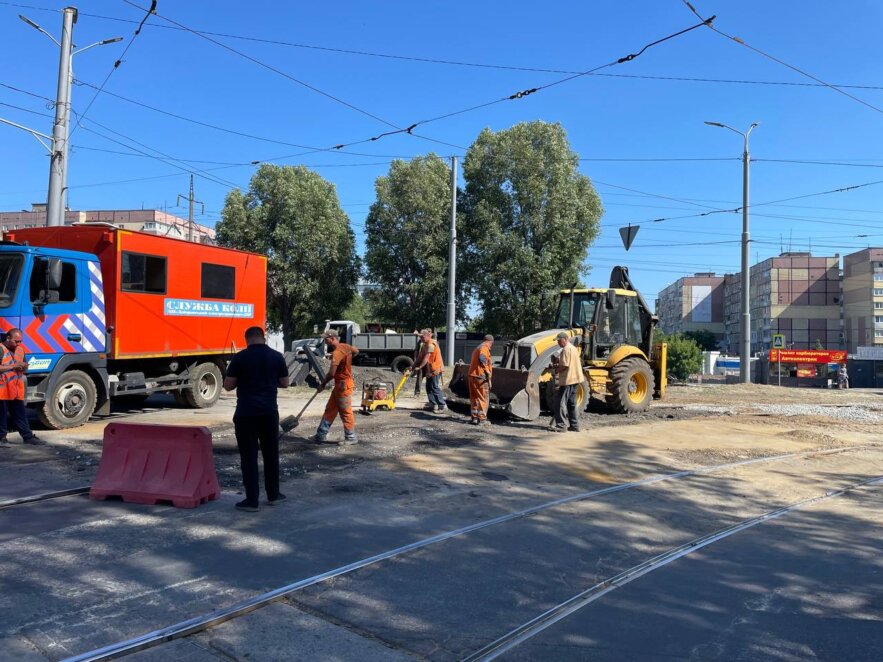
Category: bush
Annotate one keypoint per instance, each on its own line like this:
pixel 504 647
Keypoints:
pixel 684 356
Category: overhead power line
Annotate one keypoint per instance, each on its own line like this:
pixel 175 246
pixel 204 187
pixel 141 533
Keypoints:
pixel 116 65
pixel 461 63
pixel 284 74
pixel 818 80
pixel 410 128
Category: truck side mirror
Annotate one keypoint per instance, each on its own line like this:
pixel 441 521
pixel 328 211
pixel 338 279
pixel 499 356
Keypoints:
pixel 53 274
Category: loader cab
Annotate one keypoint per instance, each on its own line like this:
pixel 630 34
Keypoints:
pixel 609 318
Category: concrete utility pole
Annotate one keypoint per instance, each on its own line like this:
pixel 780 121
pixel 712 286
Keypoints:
pixel 190 215
pixel 452 267
pixel 745 327
pixel 58 153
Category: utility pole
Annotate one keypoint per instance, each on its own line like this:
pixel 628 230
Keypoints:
pixel 60 147
pixel 452 266
pixel 58 160
pixel 190 214
pixel 745 326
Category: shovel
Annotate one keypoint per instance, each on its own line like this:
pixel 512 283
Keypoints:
pixel 290 422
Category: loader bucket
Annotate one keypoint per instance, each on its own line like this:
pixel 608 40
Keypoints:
pixel 514 391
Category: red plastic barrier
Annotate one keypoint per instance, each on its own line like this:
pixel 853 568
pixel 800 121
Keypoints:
pixel 152 463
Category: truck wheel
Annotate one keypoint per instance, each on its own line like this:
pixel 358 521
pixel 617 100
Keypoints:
pixel 631 386
pixel 205 386
pixel 71 402
pixel 401 363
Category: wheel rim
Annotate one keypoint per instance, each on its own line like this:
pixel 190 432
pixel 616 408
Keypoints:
pixel 70 400
pixel 208 386
pixel 637 387
pixel 581 395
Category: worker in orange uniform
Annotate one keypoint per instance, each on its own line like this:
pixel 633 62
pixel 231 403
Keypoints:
pixel 480 369
pixel 341 399
pixel 431 358
pixel 13 389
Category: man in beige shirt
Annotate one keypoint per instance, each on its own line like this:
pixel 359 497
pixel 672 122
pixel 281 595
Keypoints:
pixel 569 375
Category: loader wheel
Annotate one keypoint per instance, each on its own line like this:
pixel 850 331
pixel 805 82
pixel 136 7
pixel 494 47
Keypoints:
pixel 582 396
pixel 631 387
pixel 205 386
pixel 71 402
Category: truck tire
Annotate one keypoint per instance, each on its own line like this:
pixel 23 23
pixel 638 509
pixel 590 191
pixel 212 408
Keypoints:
pixel 71 402
pixel 205 386
pixel 631 386
pixel 401 363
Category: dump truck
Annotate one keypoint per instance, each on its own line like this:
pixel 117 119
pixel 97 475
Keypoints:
pixel 613 329
pixel 109 313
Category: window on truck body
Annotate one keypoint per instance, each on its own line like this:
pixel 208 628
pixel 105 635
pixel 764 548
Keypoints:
pixel 143 273
pixel 67 292
pixel 218 281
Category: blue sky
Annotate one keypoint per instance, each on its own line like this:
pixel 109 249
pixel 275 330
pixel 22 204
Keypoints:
pixel 607 118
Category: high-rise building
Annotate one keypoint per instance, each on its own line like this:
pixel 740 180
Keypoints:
pixel 693 303
pixel 863 298
pixel 796 295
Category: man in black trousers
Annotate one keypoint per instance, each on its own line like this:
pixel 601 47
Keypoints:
pixel 256 373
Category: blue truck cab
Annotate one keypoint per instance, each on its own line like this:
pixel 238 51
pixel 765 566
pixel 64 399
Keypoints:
pixel 56 298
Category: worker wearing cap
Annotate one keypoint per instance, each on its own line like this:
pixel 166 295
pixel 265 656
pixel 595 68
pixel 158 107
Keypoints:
pixel 341 399
pixel 480 368
pixel 569 375
pixel 431 359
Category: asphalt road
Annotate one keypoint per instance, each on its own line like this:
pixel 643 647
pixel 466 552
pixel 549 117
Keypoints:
pixel 79 574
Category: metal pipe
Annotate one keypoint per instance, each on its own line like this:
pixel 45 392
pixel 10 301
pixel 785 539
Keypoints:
pixel 452 268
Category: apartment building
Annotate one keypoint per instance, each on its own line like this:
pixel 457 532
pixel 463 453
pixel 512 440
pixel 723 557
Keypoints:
pixel 863 298
pixel 693 303
pixel 796 295
pixel 152 221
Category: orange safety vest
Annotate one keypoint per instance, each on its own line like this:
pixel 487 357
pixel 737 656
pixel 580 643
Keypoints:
pixel 477 368
pixel 13 385
pixel 435 364
pixel 343 357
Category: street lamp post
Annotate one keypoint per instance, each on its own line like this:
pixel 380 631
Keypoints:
pixel 745 326
pixel 58 156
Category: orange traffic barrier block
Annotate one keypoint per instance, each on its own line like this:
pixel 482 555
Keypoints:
pixel 153 463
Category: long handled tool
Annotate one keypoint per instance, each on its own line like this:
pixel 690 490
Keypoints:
pixel 290 422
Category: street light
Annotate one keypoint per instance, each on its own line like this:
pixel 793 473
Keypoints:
pixel 58 154
pixel 745 327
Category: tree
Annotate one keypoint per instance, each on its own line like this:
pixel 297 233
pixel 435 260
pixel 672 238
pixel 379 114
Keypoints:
pixel 406 245
pixel 684 355
pixel 706 339
pixel 359 311
pixel 534 217
pixel 293 216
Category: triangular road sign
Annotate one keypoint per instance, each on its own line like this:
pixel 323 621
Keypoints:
pixel 628 235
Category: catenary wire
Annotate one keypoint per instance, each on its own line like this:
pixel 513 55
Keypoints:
pixel 116 65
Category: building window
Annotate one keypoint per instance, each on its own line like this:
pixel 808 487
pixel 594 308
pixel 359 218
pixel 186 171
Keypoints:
pixel 878 291
pixel 878 276
pixel 218 281
pixel 878 319
pixel 878 333
pixel 143 273
pixel 67 291
pixel 878 305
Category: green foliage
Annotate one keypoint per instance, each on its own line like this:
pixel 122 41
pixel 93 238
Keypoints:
pixel 406 245
pixel 684 355
pixel 293 216
pixel 533 217
pixel 706 339
pixel 359 311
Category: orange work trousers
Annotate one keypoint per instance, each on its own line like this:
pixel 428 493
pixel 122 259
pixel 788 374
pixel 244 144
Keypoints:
pixel 341 402
pixel 478 397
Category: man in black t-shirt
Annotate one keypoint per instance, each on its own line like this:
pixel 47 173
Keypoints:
pixel 256 373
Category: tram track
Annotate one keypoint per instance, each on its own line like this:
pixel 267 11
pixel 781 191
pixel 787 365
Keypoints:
pixel 45 496
pixel 204 622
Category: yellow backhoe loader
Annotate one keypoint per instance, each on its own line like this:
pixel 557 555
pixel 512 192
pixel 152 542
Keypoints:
pixel 613 328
